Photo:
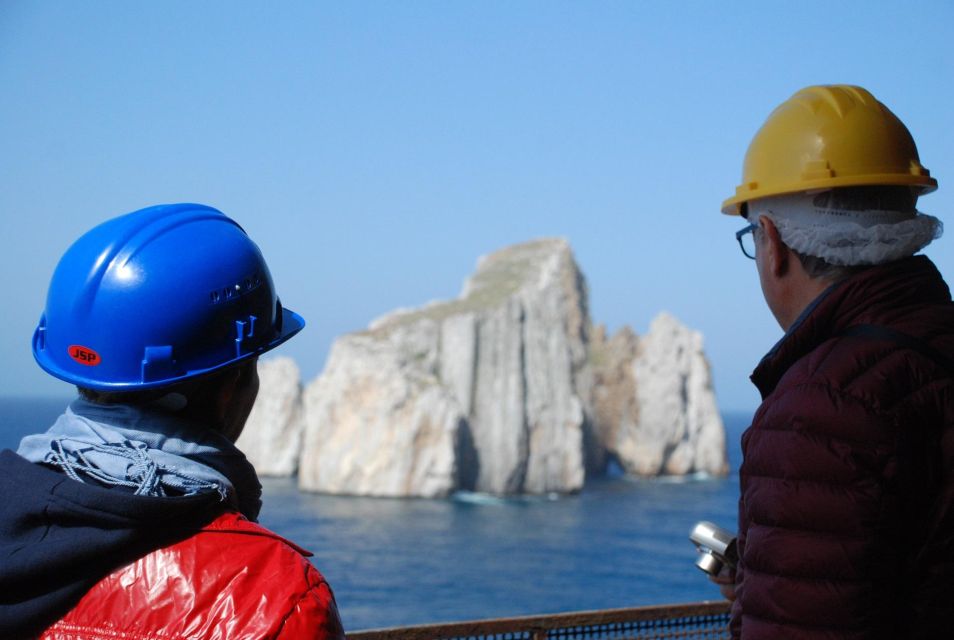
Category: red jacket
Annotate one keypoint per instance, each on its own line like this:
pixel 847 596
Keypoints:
pixel 846 515
pixel 232 580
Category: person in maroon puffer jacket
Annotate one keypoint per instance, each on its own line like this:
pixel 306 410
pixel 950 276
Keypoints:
pixel 846 513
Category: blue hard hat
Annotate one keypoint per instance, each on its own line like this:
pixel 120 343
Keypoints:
pixel 158 296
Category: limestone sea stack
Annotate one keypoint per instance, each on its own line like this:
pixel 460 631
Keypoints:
pixel 507 389
pixel 654 408
pixel 488 392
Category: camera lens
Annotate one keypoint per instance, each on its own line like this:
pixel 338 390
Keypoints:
pixel 709 563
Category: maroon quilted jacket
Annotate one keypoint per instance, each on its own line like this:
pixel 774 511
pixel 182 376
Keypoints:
pixel 846 515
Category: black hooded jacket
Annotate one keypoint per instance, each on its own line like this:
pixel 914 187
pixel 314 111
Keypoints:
pixel 59 537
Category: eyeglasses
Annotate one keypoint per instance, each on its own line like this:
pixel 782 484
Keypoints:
pixel 746 238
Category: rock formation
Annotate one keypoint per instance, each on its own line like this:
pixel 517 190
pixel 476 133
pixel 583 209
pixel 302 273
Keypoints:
pixel 653 404
pixel 380 424
pixel 485 392
pixel 506 389
pixel 272 436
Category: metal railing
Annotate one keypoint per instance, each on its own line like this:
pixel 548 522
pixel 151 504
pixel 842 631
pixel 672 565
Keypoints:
pixel 695 621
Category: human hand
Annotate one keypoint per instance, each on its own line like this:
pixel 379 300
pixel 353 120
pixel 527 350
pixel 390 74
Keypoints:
pixel 726 581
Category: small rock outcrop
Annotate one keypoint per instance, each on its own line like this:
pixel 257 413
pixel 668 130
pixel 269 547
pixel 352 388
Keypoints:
pixel 654 408
pixel 507 389
pixel 487 392
pixel 272 436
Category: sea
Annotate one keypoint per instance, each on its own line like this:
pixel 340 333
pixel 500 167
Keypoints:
pixel 621 542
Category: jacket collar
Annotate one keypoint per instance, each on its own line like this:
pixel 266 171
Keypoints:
pixel 868 297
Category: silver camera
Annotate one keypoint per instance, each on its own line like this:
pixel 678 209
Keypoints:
pixel 716 547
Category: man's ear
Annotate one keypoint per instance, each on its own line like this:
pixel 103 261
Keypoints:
pixel 777 255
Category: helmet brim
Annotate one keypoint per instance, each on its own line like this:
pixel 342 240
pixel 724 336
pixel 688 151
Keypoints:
pixel 291 324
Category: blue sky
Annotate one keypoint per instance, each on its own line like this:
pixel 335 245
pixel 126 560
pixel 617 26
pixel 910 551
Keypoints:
pixel 375 149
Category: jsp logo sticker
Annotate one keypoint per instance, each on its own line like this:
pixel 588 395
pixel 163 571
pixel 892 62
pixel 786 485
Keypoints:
pixel 84 355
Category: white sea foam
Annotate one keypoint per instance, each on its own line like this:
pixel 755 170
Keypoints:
pixel 475 497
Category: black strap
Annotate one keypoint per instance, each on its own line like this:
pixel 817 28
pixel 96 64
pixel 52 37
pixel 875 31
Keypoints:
pixel 902 339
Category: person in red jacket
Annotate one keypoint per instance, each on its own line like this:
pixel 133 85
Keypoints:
pixel 846 512
pixel 133 516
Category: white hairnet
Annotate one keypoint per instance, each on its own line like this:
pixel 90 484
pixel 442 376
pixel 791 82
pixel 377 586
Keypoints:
pixel 846 237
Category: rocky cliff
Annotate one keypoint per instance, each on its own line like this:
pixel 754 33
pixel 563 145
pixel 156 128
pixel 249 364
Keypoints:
pixel 506 389
pixel 486 392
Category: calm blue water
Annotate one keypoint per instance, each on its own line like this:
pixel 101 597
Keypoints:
pixel 619 543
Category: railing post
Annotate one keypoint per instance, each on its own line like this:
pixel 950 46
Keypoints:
pixel 539 634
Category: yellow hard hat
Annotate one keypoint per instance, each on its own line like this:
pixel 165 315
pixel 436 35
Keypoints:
pixel 829 136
